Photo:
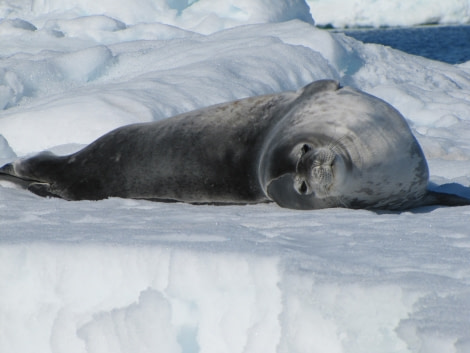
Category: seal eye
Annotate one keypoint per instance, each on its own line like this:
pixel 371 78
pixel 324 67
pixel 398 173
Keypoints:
pixel 303 188
pixel 305 149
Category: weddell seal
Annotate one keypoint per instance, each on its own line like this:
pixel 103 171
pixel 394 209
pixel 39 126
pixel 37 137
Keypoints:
pixel 321 146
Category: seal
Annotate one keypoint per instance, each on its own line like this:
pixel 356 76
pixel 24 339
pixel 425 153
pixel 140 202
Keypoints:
pixel 321 146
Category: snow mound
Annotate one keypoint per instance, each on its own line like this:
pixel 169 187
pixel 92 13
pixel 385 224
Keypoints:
pixel 372 13
pixel 203 16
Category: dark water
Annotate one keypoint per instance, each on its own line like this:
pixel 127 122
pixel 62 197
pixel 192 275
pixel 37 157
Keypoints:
pixel 450 44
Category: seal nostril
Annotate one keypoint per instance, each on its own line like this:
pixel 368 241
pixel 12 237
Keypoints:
pixel 305 148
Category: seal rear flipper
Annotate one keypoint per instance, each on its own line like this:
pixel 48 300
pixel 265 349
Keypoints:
pixel 22 183
pixel 35 174
pixel 43 167
pixel 8 173
pixel 7 169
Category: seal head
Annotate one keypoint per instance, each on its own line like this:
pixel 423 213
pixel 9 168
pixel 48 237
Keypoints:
pixel 340 147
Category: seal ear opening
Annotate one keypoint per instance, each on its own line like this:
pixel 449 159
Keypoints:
pixel 319 86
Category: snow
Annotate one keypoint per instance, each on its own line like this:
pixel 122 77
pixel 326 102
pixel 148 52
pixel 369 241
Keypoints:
pixel 206 16
pixel 379 13
pixel 135 276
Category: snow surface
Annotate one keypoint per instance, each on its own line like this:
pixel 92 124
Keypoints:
pixel 207 16
pixel 377 13
pixel 135 276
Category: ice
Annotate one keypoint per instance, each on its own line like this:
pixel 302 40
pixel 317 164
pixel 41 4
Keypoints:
pixel 136 276
pixel 84 65
pixel 373 13
pixel 203 16
pixel 101 275
pixel 206 16
pixel 5 150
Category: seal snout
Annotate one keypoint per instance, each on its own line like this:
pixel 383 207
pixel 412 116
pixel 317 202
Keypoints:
pixel 315 170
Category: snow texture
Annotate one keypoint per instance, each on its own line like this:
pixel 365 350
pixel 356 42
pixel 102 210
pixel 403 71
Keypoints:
pixel 135 276
pixel 377 13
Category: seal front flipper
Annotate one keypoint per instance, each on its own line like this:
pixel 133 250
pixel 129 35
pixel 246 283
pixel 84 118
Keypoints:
pixel 42 189
pixel 435 198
